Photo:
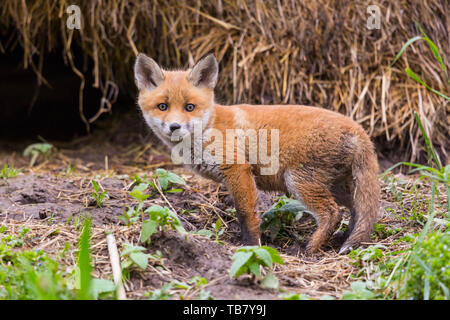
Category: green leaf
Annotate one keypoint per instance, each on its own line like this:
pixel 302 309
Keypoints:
pixel 276 258
pixel 295 296
pixel 218 224
pixel 95 185
pixel 265 256
pixel 141 187
pixel 239 260
pixel 155 209
pixel 161 172
pixel 100 286
pixel 204 233
pixel 164 182
pixel 36 148
pixel 84 261
pixel 140 259
pixel 180 229
pixel 243 270
pixel 415 77
pixel 255 268
pixel 149 227
pixel 406 45
pixel 434 49
pixel 174 178
pixel 138 192
pixel 293 206
pixel 130 248
pixel 359 292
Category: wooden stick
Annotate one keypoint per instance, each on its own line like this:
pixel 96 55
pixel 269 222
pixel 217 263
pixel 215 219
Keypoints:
pixel 115 264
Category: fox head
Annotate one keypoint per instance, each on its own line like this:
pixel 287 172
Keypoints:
pixel 176 101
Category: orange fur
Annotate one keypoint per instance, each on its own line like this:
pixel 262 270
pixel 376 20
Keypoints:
pixel 325 159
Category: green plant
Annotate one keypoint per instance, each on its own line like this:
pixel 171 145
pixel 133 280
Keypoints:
pixel 437 175
pixel 33 275
pixel 302 296
pixel 133 214
pixel 15 240
pixel 37 149
pixel 382 232
pixel 435 51
pixel 364 259
pixel 78 222
pixel 166 179
pixel 8 172
pixel 89 288
pixel 218 231
pixel 97 195
pixel 164 293
pixel 429 270
pixel 194 285
pixel 159 218
pixel 130 216
pixel 359 292
pixel 250 259
pixel 68 171
pixel 134 256
pixel 283 213
pixel 295 296
pixel 421 270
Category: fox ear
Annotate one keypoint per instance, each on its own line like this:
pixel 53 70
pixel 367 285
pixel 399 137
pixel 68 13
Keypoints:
pixel 205 71
pixel 147 73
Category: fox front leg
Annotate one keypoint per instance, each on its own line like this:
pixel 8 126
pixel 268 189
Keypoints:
pixel 241 183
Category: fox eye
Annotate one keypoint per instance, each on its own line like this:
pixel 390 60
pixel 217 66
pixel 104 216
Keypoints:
pixel 163 106
pixel 189 107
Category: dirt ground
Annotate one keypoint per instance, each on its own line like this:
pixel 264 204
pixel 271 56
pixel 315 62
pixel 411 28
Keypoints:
pixel 50 198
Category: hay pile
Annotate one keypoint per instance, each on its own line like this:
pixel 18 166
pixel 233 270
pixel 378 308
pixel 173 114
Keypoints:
pixel 318 53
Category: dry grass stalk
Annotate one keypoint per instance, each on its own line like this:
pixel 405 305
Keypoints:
pixel 315 53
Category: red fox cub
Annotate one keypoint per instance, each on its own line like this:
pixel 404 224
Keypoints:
pixel 320 157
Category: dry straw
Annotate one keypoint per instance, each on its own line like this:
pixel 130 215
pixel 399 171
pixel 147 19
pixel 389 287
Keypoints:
pixel 312 52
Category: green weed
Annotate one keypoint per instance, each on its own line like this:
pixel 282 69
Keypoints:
pixel 250 259
pixel 133 214
pixel 134 256
pixel 8 172
pixel 167 179
pixel 37 149
pixel 437 55
pixel 283 213
pixel 218 231
pixel 33 275
pixel 89 288
pixel 359 291
pixel 168 290
pixel 159 218
pixel 97 195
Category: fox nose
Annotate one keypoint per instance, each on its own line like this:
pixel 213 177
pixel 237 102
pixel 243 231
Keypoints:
pixel 174 126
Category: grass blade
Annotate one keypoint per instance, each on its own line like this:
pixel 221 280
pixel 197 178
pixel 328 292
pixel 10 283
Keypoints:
pixel 416 78
pixel 406 45
pixel 435 50
pixel 84 261
pixel 430 149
